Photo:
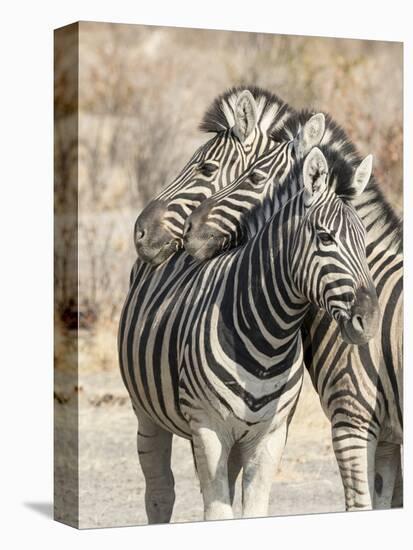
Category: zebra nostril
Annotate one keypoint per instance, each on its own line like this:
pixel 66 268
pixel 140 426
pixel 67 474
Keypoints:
pixel 139 234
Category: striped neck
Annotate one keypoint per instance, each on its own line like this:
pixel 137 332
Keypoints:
pixel 263 301
pixel 275 194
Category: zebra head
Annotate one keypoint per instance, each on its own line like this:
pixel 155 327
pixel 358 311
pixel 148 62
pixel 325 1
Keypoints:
pixel 233 214
pixel 328 253
pixel 243 121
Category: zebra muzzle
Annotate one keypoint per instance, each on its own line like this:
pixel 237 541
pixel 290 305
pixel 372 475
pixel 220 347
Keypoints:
pixel 363 322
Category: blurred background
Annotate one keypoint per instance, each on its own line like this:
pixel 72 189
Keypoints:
pixel 142 93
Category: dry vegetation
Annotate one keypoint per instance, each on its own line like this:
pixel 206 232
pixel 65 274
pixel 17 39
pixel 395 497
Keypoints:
pixel 142 94
pixel 143 91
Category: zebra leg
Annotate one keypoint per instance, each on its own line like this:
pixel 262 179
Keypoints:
pixel 154 451
pixel 259 467
pixel 397 500
pixel 355 455
pixel 211 455
pixel 234 468
pixel 387 462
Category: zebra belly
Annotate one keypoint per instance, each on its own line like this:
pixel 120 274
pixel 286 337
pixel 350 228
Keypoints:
pixel 146 355
pixel 152 384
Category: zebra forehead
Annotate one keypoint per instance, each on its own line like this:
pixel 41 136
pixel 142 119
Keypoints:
pixel 338 214
pixel 326 205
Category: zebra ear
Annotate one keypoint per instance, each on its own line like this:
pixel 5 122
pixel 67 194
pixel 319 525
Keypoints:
pixel 362 175
pixel 310 135
pixel 245 114
pixel 315 171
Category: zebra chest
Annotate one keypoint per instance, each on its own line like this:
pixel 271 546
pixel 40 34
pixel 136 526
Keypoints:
pixel 221 381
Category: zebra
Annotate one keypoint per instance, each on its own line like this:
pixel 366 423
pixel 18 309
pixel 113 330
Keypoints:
pixel 212 351
pixel 360 389
pixel 243 121
pixel 224 220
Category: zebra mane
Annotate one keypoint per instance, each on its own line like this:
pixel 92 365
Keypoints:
pixel 273 112
pixel 343 158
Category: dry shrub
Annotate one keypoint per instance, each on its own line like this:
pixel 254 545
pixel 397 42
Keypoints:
pixel 143 91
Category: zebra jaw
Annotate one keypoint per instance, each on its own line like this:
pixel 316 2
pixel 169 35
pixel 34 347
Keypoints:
pixel 202 250
pixel 164 253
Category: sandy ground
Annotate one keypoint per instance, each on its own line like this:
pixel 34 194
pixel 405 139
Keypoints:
pixel 112 484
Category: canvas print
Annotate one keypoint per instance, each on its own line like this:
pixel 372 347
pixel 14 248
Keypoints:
pixel 228 275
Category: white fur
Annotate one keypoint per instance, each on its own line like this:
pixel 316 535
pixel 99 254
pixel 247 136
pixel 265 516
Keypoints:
pixel 315 164
pixel 362 175
pixel 311 134
pixel 245 114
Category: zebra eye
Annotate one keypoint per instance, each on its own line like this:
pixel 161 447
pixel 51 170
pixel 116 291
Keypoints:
pixel 325 237
pixel 207 169
pixel 256 178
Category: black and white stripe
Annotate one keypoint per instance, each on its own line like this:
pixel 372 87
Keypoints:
pixel 243 121
pixel 213 352
pixel 360 388
pixel 236 212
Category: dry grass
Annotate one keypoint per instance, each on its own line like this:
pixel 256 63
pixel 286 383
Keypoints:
pixel 143 91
